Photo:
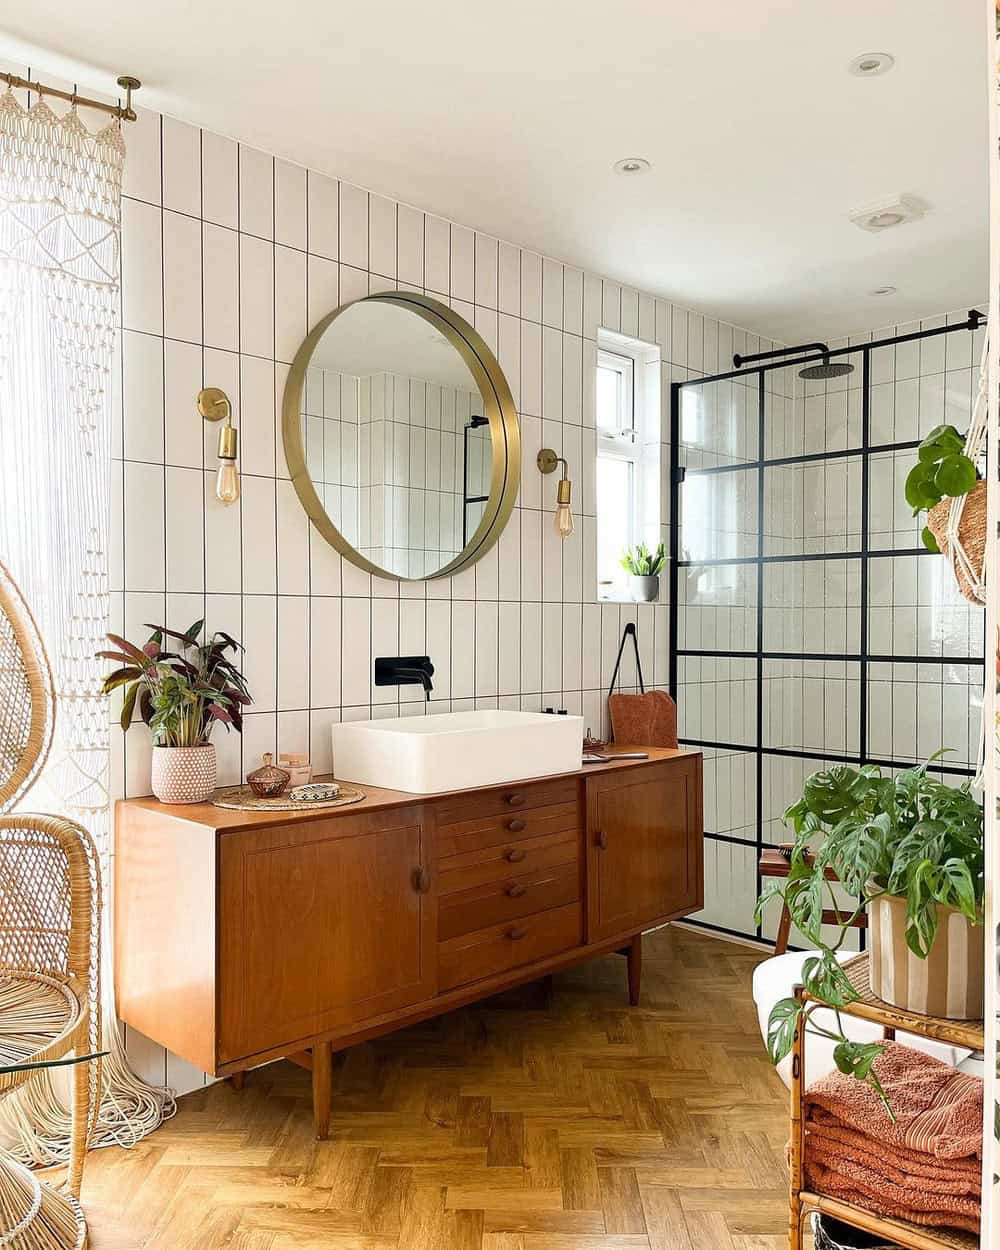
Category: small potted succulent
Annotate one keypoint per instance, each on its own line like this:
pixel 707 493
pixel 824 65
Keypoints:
pixel 909 848
pixel 944 472
pixel 181 694
pixel 643 568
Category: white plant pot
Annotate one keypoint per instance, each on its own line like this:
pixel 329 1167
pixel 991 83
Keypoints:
pixel 184 774
pixel 644 589
pixel 949 983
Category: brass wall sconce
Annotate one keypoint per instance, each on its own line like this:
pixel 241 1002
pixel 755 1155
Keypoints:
pixel 547 462
pixel 214 405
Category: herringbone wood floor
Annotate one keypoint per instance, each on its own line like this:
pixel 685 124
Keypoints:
pixel 515 1125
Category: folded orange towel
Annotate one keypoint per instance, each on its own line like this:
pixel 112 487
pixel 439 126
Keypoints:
pixel 938 1110
pixel 863 1187
pixel 925 1166
pixel 963 1176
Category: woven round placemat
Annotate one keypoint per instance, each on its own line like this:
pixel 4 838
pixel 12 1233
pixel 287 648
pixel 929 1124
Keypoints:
pixel 243 799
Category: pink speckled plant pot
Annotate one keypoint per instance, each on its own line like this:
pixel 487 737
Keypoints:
pixel 184 774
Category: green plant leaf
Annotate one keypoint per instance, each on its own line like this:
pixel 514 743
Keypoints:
pixel 955 476
pixel 127 705
pixel 781 1026
pixel 929 541
pixel 920 489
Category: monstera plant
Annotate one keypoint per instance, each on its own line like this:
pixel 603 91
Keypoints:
pixel 907 845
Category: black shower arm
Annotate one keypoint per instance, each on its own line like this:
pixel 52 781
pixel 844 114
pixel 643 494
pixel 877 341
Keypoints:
pixel 739 361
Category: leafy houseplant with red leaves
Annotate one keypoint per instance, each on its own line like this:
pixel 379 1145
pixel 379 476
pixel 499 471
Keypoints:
pixel 181 693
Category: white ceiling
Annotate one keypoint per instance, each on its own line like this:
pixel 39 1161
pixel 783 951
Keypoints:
pixel 508 117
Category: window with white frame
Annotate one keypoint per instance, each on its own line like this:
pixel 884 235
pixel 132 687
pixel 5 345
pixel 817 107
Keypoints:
pixel 627 413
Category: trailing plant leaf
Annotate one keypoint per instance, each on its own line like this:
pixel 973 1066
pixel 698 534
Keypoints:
pixel 781 1026
pixel 942 471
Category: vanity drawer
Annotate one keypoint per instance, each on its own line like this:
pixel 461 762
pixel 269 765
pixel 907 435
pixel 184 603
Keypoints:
pixel 515 799
pixel 508 900
pixel 507 859
pixel 486 831
pixel 488 952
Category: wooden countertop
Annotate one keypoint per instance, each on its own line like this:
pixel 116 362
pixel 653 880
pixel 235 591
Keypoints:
pixel 224 820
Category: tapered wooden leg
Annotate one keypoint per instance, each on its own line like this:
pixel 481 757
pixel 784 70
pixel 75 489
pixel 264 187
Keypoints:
pixel 237 1081
pixel 784 929
pixel 634 969
pixel 322 1080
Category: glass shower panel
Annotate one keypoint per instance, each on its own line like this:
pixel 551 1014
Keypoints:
pixel 813 508
pixel 813 606
pixel 717 699
pixel 717 607
pixel 719 515
pixel 807 417
pixel 917 709
pixel 915 609
pixel 811 705
pixel 731 794
pixel 719 423
pixel 891 523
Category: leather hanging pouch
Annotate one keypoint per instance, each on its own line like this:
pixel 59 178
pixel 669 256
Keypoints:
pixel 647 719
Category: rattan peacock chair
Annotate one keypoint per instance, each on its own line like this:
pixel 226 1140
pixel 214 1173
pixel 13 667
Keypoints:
pixel 49 938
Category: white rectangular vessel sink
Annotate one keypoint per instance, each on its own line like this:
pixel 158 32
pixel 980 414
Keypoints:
pixel 456 750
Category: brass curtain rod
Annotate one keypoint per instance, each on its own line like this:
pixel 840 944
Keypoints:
pixel 125 113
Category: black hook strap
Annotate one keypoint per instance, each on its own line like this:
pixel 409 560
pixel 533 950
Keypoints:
pixel 629 630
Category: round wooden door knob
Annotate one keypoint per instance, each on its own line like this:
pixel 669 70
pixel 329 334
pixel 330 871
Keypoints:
pixel 514 856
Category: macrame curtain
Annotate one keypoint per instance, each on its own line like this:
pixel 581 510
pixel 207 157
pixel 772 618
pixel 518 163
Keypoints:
pixel 60 231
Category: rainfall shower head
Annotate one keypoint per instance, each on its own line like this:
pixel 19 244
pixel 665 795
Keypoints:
pixel 827 369
pixel 811 373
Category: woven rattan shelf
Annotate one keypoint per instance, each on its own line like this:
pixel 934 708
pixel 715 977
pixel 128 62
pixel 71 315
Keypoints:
pixel 967 1034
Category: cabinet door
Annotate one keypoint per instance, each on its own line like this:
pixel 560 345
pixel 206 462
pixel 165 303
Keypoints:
pixel 644 846
pixel 322 925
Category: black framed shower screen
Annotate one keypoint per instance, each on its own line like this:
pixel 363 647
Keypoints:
pixel 808 623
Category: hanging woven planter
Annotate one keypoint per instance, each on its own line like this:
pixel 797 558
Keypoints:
pixel 967 555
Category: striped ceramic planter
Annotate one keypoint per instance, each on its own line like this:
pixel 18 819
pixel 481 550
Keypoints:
pixel 949 983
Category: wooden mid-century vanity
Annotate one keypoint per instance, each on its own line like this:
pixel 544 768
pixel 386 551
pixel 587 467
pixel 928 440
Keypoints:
pixel 242 937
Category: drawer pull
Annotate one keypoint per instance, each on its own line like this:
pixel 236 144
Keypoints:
pixel 516 891
pixel 421 880
pixel 515 935
pixel 515 800
pixel 601 841
pixel 514 856
pixel 515 825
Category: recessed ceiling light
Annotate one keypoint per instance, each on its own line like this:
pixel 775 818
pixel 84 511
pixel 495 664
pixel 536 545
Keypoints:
pixel 632 165
pixel 883 290
pixel 871 64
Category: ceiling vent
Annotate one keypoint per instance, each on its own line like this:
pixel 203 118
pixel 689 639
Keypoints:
pixel 893 210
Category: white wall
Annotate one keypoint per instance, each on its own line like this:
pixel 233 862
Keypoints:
pixel 230 255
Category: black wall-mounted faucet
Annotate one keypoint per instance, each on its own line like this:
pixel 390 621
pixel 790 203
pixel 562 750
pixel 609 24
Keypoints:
pixel 405 670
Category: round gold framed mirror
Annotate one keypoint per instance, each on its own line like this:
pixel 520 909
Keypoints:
pixel 401 436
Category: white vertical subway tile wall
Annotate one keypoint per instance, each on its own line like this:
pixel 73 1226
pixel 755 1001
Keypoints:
pixel 229 256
